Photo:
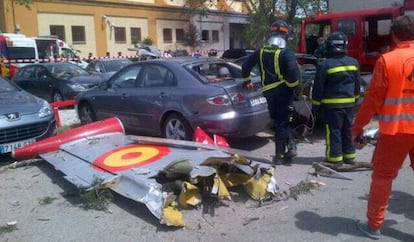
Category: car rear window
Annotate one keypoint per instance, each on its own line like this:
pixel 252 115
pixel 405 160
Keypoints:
pixel 215 71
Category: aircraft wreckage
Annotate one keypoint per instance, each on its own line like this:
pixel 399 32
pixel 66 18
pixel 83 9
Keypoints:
pixel 163 174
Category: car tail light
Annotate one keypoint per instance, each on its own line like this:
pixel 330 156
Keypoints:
pixel 225 100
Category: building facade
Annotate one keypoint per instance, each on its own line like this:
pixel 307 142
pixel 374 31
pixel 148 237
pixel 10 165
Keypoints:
pixel 113 26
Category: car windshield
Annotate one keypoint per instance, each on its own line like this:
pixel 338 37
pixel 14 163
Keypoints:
pixel 115 65
pixel 6 86
pixel 66 69
pixel 215 71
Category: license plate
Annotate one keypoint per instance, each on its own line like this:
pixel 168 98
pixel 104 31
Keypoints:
pixel 257 101
pixel 7 148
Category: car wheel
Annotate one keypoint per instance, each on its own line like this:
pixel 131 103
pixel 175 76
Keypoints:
pixel 86 113
pixel 57 96
pixel 176 127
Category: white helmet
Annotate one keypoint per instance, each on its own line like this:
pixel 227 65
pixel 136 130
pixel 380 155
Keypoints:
pixel 276 41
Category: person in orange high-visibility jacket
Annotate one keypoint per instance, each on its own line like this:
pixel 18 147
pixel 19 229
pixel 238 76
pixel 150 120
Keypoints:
pixel 334 96
pixel 390 96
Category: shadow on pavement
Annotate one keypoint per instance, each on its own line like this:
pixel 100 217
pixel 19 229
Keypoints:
pixel 339 225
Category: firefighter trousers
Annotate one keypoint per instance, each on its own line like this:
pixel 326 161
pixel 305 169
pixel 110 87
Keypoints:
pixel 338 124
pixel 386 163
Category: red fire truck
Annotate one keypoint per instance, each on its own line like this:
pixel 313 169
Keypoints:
pixel 368 31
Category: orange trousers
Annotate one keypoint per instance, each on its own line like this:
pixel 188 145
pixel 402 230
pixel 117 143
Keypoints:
pixel 389 155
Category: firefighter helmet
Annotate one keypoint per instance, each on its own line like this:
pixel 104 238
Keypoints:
pixel 336 43
pixel 279 27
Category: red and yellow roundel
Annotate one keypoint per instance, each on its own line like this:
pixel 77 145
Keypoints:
pixel 131 156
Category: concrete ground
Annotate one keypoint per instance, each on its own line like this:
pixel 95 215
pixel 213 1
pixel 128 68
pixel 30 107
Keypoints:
pixel 326 214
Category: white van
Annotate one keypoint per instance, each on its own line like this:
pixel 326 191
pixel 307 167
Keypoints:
pixel 52 47
pixel 16 50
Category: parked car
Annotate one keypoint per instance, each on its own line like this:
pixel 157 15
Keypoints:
pixel 24 118
pixel 105 65
pixel 170 97
pixel 55 81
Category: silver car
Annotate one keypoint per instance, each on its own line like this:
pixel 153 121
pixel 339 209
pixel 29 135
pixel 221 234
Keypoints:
pixel 170 97
pixel 24 118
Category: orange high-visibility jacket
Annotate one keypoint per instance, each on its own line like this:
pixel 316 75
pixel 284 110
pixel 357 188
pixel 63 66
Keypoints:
pixel 397 112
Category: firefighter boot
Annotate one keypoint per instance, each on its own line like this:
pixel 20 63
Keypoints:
pixel 290 153
pixel 279 152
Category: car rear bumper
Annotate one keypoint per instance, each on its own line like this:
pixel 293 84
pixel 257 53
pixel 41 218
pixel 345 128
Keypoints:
pixel 233 124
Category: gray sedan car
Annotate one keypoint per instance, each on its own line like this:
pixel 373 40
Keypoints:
pixel 55 81
pixel 24 118
pixel 170 97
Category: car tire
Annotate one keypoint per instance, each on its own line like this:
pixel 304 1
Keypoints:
pixel 176 126
pixel 57 96
pixel 86 113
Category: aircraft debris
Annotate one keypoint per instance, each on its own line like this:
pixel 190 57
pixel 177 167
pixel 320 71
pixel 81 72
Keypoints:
pixel 163 174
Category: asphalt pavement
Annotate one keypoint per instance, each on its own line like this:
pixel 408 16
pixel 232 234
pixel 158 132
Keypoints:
pixel 326 214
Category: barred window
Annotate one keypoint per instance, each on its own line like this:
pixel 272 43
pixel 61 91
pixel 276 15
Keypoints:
pixel 179 35
pixel 136 35
pixel 120 35
pixel 78 35
pixel 58 30
pixel 167 35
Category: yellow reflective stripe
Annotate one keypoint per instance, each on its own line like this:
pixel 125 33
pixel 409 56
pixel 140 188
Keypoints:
pixel 292 84
pixel 338 100
pixel 247 79
pixel 276 64
pixel 262 71
pixel 341 68
pixel 316 102
pixel 350 156
pixel 271 85
pixel 328 147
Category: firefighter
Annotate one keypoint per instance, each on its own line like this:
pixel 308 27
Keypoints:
pixel 280 82
pixel 390 96
pixel 334 96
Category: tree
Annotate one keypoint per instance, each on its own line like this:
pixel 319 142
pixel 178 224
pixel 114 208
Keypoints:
pixel 263 13
pixel 192 37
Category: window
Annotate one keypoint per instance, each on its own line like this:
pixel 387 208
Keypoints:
pixel 179 35
pixel 120 35
pixel 78 35
pixel 347 26
pixel 58 30
pixel 136 35
pixel 156 76
pixel 204 35
pixel 215 34
pixel 167 35
pixel 126 79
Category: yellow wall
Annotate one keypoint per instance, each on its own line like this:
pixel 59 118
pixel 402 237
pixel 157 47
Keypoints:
pixel 149 15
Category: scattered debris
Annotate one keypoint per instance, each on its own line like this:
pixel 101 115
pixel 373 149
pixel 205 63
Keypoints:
pixel 9 227
pixel 303 187
pixel 47 200
pixel 96 197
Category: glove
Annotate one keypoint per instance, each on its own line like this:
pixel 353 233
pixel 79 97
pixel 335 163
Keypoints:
pixel 359 141
pixel 248 85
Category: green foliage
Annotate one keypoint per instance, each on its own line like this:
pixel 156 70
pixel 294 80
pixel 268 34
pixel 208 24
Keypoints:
pixel 95 197
pixel 47 200
pixel 7 228
pixel 24 2
pixel 147 41
pixel 191 36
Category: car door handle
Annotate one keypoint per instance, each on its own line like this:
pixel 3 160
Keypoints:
pixel 163 95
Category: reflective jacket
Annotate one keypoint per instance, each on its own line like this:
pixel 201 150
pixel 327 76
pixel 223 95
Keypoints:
pixel 397 112
pixel 277 67
pixel 337 83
